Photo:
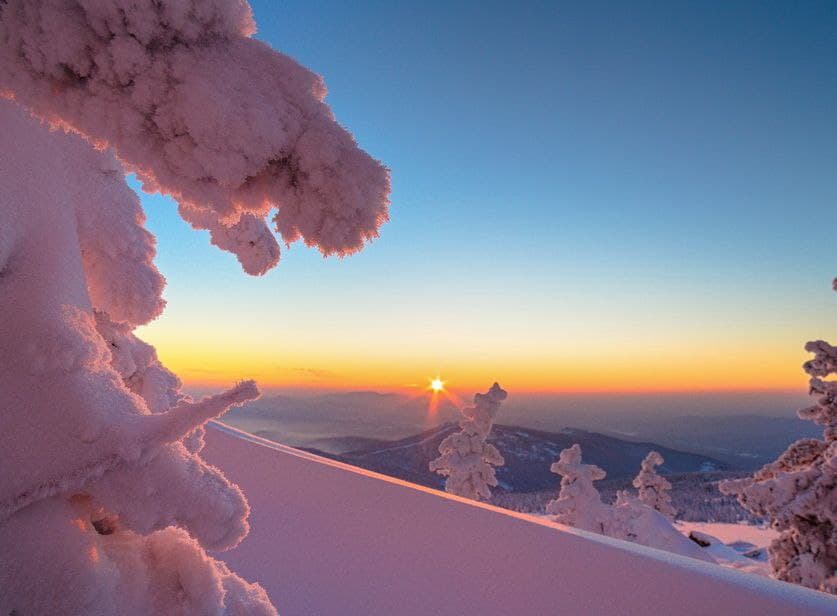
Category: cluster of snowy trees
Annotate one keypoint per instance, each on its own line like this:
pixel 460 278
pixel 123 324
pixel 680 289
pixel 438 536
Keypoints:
pixel 646 518
pixel 469 462
pixel 694 496
pixel 467 459
pixel 798 492
pixel 106 505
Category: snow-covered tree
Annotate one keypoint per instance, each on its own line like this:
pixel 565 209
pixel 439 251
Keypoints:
pixel 797 492
pixel 579 503
pixel 466 459
pixel 654 489
pixel 106 505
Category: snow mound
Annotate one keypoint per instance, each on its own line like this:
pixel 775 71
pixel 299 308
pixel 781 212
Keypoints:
pixel 355 542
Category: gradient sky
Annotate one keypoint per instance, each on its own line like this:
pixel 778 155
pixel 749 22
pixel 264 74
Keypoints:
pixel 586 196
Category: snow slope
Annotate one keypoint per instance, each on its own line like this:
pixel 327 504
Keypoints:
pixel 328 539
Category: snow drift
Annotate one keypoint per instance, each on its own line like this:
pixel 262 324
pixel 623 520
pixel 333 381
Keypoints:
pixel 354 542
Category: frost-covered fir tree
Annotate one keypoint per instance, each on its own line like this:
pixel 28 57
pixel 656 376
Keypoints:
pixel 466 459
pixel 106 506
pixel 652 488
pixel 797 492
pixel 579 503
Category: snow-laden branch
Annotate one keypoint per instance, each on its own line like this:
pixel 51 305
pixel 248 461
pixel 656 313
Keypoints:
pixel 201 111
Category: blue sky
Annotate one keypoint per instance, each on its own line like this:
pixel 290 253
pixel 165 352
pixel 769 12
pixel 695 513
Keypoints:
pixel 620 174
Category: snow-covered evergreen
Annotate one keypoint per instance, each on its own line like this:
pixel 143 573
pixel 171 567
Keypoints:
pixel 106 506
pixel 579 503
pixel 109 502
pixel 654 489
pixel 797 492
pixel 466 459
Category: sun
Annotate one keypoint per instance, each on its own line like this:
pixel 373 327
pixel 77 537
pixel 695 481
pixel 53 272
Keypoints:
pixel 437 385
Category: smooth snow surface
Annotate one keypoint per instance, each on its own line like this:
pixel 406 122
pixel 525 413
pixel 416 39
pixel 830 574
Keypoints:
pixel 329 539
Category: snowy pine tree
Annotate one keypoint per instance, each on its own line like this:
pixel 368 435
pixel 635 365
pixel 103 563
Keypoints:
pixel 579 503
pixel 797 492
pixel 654 489
pixel 466 459
pixel 106 506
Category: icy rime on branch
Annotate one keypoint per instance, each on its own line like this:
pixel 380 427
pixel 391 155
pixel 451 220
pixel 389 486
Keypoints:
pixel 106 505
pixel 466 459
pixel 798 492
pixel 200 111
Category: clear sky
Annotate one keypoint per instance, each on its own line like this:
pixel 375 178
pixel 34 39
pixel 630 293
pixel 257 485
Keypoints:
pixel 586 196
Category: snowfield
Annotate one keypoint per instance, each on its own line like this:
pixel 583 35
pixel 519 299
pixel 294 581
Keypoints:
pixel 330 539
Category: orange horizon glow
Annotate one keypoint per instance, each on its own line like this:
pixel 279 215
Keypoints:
pixel 409 390
pixel 205 368
pixel 474 384
pixel 291 360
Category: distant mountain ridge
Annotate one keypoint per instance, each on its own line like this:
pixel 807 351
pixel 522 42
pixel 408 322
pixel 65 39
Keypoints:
pixel 338 422
pixel 528 454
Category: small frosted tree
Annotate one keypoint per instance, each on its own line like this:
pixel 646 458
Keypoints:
pixel 797 491
pixel 654 489
pixel 466 459
pixel 579 503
